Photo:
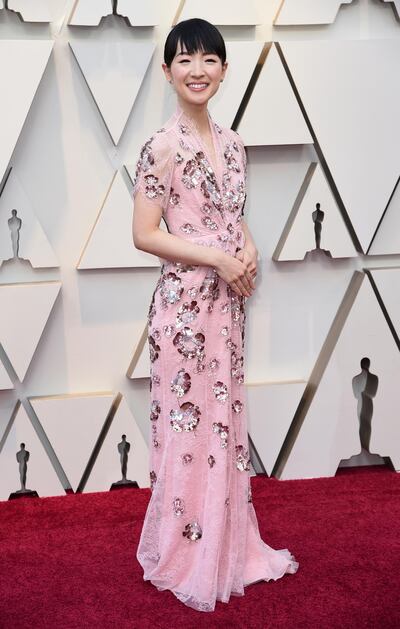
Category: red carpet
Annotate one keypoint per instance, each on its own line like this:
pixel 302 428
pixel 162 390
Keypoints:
pixel 69 562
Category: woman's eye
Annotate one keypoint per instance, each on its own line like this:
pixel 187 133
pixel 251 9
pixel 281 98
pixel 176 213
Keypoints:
pixel 212 60
pixel 184 61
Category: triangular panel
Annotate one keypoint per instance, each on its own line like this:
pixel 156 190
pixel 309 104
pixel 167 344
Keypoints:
pixel 243 57
pixel 387 238
pixel 330 431
pixel 73 424
pixel 344 90
pixel 19 223
pixel 24 311
pixel 38 11
pixel 41 476
pixel 140 363
pixel 110 244
pixel 22 64
pixel 304 12
pixel 271 407
pixel 223 12
pixel 114 71
pixel 396 6
pixel 107 468
pixel 306 223
pixel 5 380
pixel 272 115
pixel 89 12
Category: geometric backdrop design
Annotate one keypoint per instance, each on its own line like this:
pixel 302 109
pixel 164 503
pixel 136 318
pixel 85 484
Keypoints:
pixel 90 12
pixel 343 89
pixel 41 476
pixel 24 311
pixel 113 72
pixel 22 64
pixel 107 467
pixel 318 112
pixel 330 430
pixel 223 12
pixel 110 242
pixel 272 115
pixel 242 56
pixel 299 237
pixel 296 12
pixel 72 424
pixel 20 228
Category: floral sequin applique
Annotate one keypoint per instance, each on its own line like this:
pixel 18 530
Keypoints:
pixel 192 531
pixel 188 343
pixel 242 459
pixel 185 418
pixel 178 507
pixel 187 313
pixel 181 383
pixel 222 431
pixel 220 391
pixel 171 289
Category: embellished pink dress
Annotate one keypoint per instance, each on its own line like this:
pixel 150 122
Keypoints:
pixel 200 537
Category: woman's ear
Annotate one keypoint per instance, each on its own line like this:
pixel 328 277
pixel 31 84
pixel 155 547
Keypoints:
pixel 167 72
pixel 224 69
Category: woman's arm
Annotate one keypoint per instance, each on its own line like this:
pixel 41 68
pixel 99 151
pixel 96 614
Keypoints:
pixel 148 236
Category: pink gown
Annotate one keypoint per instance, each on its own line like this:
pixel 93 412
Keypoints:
pixel 200 537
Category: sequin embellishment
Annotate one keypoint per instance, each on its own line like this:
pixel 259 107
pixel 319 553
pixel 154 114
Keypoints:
pixel 220 391
pixel 178 507
pixel 187 458
pixel 242 459
pixel 181 383
pixel 185 418
pixel 189 343
pixel 211 460
pixel 192 531
pixel 222 431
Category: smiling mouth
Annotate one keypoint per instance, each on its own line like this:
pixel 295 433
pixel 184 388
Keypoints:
pixel 197 87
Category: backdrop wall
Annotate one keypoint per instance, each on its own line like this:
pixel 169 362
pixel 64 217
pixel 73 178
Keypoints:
pixel 315 94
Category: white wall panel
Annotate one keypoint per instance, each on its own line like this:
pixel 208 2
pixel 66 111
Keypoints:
pixel 22 64
pixel 72 424
pixel 107 468
pixel 110 242
pixel 114 72
pixel 396 5
pixel 41 476
pixel 272 115
pixel 243 57
pixel 223 12
pixel 298 238
pixel 24 310
pixel 5 381
pixel 304 12
pixel 37 11
pixel 387 238
pixel 33 244
pixel 345 89
pixel 271 407
pixel 330 429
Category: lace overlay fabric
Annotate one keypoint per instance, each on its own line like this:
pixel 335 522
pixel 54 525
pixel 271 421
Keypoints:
pixel 200 536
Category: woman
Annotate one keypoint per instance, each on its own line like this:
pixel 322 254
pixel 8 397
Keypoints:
pixel 200 537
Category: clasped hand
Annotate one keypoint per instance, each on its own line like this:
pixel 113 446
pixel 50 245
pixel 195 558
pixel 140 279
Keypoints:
pixel 239 271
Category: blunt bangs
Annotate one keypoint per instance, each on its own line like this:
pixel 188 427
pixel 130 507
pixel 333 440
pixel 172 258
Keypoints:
pixel 196 35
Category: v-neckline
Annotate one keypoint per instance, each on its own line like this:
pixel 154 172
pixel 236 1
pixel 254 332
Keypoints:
pixel 216 146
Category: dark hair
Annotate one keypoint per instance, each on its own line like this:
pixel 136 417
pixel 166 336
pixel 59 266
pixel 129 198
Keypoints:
pixel 196 35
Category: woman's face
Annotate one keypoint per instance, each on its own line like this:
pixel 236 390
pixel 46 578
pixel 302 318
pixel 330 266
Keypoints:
pixel 196 77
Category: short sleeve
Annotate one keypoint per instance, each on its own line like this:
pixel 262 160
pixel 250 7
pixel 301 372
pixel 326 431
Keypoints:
pixel 154 170
pixel 244 165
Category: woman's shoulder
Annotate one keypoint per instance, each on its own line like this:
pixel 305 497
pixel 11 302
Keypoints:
pixel 229 134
